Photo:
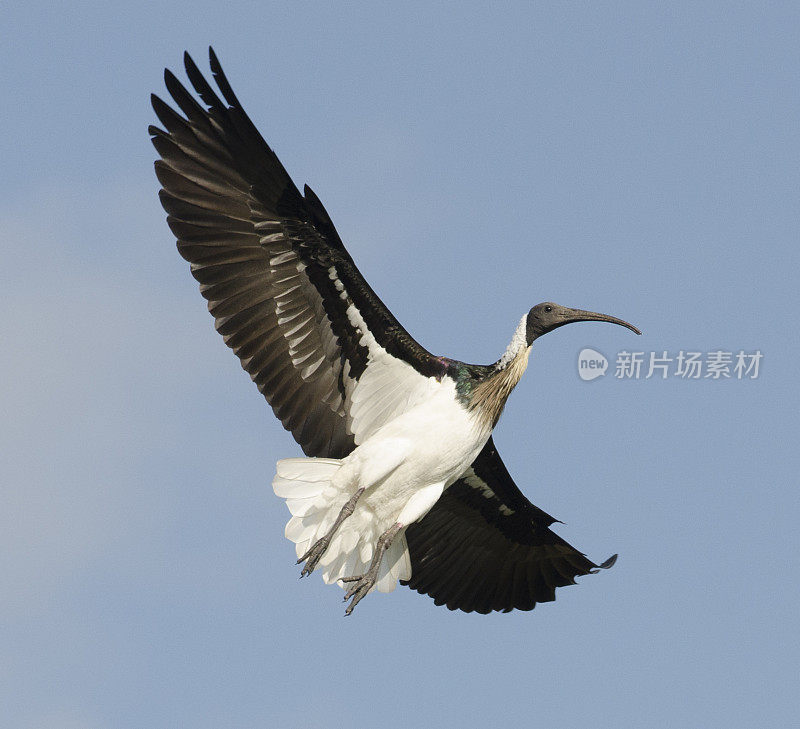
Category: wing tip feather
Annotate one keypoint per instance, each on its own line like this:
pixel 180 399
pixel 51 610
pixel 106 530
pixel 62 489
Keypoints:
pixel 610 562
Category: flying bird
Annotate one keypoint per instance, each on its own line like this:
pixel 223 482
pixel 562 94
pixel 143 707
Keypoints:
pixel 401 479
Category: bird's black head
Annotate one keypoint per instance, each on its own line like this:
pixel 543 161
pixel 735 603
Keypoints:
pixel 545 317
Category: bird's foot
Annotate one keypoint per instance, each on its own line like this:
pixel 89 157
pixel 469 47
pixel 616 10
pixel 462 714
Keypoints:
pixel 313 555
pixel 361 585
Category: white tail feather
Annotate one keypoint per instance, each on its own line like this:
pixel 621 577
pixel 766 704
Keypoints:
pixel 314 501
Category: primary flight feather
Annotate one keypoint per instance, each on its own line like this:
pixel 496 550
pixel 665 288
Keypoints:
pixel 402 480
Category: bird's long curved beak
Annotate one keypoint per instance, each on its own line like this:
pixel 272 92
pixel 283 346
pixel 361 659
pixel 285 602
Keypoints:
pixel 573 315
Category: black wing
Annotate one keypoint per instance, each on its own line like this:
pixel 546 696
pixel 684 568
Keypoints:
pixel 285 294
pixel 485 547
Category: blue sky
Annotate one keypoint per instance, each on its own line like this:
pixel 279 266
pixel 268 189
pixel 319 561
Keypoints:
pixel 637 158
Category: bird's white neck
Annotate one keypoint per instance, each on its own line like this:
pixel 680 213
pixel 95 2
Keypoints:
pixel 490 395
pixel 516 346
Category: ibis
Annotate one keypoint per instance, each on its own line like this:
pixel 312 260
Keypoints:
pixel 401 480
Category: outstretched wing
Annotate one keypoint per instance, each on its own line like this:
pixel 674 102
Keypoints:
pixel 485 547
pixel 329 357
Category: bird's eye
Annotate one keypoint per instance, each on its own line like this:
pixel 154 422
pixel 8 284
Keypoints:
pixel 548 309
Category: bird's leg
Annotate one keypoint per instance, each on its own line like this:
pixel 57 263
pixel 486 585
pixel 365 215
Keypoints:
pixel 416 507
pixel 314 554
pixel 363 583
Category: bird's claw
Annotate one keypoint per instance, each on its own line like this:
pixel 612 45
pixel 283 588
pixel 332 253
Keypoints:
pixel 363 584
pixel 313 556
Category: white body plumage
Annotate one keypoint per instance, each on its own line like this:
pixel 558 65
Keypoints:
pixel 404 467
